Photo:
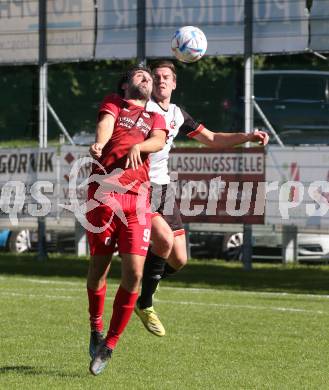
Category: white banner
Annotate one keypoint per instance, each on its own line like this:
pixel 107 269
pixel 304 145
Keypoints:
pixel 33 179
pixel 319 29
pixel 278 26
pixel 70 25
pixel 69 157
pixel 28 183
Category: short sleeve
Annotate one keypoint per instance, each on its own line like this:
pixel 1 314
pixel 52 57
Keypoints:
pixel 190 127
pixel 159 123
pixel 110 105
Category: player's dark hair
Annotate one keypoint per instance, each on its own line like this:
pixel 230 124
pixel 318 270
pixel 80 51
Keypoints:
pixel 127 76
pixel 164 64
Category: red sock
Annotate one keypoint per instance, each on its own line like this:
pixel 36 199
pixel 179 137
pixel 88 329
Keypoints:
pixel 96 307
pixel 123 306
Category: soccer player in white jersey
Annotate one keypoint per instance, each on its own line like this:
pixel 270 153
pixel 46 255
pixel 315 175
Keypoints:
pixel 168 252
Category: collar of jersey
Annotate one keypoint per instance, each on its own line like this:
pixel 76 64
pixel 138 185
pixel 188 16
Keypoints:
pixel 153 100
pixel 132 106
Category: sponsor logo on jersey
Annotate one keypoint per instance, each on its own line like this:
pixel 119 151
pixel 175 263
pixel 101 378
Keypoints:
pixel 143 126
pixel 146 115
pixel 124 121
pixel 172 124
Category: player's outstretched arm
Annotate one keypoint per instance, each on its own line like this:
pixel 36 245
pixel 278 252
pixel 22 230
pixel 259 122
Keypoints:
pixel 104 132
pixel 227 140
pixel 153 144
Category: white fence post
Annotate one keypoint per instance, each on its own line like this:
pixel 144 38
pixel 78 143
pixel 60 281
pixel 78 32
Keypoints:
pixel 289 244
pixel 81 242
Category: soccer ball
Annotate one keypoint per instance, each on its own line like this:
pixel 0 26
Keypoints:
pixel 189 44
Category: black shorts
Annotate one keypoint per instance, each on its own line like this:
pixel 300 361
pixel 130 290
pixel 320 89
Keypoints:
pixel 163 203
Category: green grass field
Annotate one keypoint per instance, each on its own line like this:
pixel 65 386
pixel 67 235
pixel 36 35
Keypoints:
pixel 226 329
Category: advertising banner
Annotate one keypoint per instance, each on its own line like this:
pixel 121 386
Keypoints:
pixel 219 186
pixel 70 26
pixel 28 183
pixel 279 26
pixel 74 173
pixel 105 29
pixel 319 26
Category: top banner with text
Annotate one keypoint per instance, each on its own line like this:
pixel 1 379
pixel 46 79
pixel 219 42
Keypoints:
pixel 85 29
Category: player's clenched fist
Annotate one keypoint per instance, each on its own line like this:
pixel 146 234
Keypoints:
pixel 96 149
pixel 261 137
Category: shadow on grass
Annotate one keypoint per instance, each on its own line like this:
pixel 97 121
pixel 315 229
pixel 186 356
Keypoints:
pixel 214 274
pixel 263 277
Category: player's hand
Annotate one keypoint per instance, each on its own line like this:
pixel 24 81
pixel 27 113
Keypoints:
pixel 261 137
pixel 95 150
pixel 134 157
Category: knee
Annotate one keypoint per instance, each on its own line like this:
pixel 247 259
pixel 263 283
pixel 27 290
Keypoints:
pixel 96 278
pixel 177 261
pixel 132 279
pixel 95 282
pixel 136 276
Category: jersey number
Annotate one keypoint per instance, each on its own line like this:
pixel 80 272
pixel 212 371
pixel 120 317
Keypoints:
pixel 146 235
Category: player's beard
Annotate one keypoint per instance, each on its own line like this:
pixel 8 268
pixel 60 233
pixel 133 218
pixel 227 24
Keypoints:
pixel 139 92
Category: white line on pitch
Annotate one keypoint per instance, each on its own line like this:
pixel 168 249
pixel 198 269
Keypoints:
pixel 253 307
pixel 41 281
pixel 240 292
pixel 39 296
pixel 181 289
pixel 209 304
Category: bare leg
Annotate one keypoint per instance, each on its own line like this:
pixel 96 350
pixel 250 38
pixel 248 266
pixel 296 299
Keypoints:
pixel 126 296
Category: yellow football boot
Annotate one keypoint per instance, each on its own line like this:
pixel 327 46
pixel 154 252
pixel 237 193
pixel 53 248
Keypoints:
pixel 150 320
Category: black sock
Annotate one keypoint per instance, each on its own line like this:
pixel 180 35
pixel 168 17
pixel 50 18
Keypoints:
pixel 153 269
pixel 168 271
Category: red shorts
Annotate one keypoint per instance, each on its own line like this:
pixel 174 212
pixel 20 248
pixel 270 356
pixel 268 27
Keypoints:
pixel 127 229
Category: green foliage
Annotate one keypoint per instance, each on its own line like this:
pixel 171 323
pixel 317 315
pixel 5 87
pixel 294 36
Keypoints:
pixel 207 89
pixel 213 68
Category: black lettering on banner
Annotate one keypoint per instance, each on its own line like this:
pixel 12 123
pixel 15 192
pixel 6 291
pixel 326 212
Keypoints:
pixel 48 162
pixel 185 166
pixel 228 164
pixel 33 164
pixel 259 164
pixel 22 163
pixel 12 163
pixel 2 163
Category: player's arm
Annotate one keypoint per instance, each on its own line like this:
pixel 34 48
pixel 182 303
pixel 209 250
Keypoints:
pixel 153 144
pixel 104 131
pixel 227 140
pixel 207 137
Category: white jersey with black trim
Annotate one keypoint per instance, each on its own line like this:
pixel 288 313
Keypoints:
pixel 176 120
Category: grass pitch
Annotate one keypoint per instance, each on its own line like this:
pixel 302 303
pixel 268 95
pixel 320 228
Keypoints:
pixel 226 329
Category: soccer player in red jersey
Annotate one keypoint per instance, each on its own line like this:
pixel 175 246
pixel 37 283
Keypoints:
pixel 126 133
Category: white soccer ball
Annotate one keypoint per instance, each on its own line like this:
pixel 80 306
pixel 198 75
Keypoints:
pixel 189 44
